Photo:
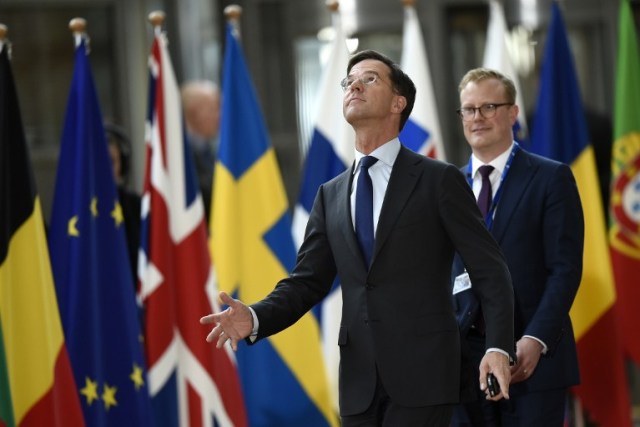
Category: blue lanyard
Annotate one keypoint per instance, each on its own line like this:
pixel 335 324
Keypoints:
pixel 488 220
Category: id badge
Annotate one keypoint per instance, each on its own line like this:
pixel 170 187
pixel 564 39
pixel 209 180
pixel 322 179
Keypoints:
pixel 461 283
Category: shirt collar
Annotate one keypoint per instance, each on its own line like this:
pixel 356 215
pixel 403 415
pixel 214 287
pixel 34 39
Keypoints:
pixel 386 153
pixel 499 163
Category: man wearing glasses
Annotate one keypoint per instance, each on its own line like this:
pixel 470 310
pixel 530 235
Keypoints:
pixel 532 207
pixel 388 227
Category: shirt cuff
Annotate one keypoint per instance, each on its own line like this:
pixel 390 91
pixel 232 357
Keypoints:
pixel 498 350
pixel 544 346
pixel 256 324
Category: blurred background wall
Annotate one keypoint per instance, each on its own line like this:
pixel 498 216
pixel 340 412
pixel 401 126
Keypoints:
pixel 283 42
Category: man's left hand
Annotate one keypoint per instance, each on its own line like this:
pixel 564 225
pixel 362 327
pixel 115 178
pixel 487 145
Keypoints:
pixel 528 352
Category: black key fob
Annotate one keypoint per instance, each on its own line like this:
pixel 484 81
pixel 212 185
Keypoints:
pixel 492 385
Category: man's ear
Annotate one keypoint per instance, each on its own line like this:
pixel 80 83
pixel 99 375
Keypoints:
pixel 399 103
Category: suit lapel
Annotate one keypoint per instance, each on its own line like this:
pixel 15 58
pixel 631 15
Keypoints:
pixel 343 213
pixel 515 185
pixel 402 181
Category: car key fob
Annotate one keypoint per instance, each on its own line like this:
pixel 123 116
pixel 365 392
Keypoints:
pixel 492 385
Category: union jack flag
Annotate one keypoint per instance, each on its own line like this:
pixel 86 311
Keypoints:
pixel 191 383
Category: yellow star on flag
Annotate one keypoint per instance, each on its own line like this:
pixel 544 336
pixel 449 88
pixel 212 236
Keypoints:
pixel 71 227
pixel 116 214
pixel 136 376
pixel 109 396
pixel 94 206
pixel 90 390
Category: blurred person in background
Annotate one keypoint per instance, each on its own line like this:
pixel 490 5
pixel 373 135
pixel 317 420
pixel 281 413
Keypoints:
pixel 120 153
pixel 201 105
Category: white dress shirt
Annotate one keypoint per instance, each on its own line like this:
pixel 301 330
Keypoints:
pixel 380 173
pixel 499 164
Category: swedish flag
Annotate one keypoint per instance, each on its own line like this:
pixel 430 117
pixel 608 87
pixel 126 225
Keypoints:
pixel 283 378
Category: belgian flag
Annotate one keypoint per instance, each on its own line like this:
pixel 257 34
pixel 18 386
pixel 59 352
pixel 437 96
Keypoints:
pixel 36 382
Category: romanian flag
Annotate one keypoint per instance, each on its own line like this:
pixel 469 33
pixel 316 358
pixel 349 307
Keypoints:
pixel 190 381
pixel 91 266
pixel 560 132
pixel 36 382
pixel 624 227
pixel 283 377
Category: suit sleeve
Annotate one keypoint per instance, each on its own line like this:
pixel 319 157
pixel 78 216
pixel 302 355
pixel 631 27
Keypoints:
pixel 482 257
pixel 563 241
pixel 308 284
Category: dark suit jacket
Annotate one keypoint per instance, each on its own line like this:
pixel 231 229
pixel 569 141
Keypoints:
pixel 397 315
pixel 540 227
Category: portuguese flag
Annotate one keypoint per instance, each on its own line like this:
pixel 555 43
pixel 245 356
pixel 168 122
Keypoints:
pixel 624 227
pixel 36 381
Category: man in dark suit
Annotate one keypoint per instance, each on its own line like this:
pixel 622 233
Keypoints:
pixel 536 218
pixel 399 341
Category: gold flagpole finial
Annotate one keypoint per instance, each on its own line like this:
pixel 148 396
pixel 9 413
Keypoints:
pixel 4 41
pixel 78 27
pixel 156 18
pixel 233 13
pixel 332 5
pixel 3 32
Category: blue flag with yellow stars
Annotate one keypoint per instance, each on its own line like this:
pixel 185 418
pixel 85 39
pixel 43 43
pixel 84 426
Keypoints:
pixel 91 267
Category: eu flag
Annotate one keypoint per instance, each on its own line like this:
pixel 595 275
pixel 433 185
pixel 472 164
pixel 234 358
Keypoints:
pixel 283 377
pixel 91 266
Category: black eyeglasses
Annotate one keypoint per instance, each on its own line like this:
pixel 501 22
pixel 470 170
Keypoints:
pixel 486 110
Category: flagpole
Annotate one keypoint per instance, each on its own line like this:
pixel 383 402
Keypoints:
pixel 156 18
pixel 233 12
pixel 3 32
pixel 78 27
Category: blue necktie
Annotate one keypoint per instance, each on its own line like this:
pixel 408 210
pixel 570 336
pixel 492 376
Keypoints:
pixel 364 208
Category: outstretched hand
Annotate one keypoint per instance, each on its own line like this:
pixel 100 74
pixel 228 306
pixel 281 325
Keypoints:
pixel 233 324
pixel 498 364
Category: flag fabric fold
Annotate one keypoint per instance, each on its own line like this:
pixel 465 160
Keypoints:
pixel 624 227
pixel 91 266
pixel 37 386
pixel 422 131
pixel 283 377
pixel 330 152
pixel 190 381
pixel 496 56
pixel 560 132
